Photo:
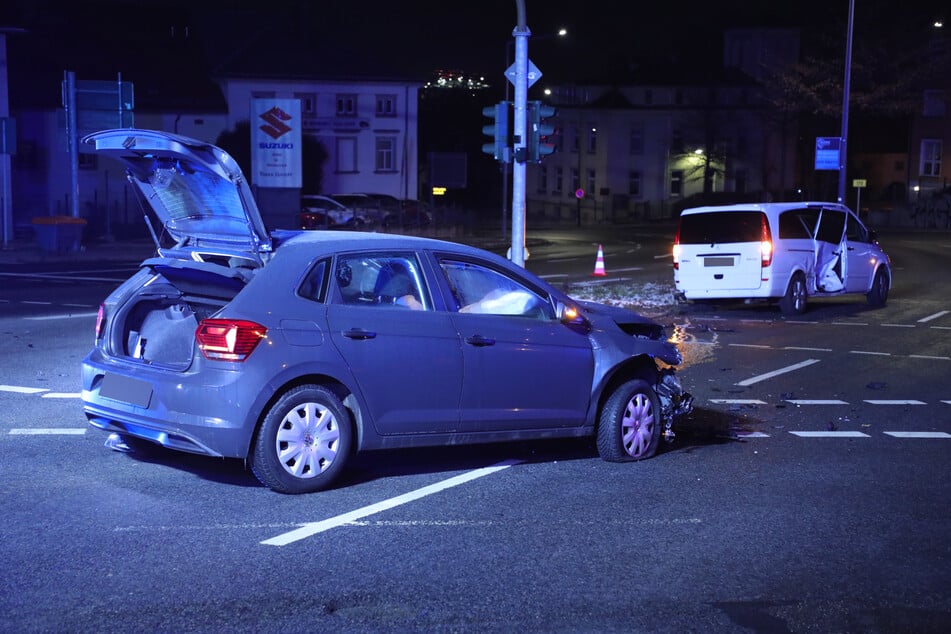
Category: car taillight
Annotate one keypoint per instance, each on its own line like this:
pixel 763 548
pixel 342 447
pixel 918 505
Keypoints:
pixel 100 320
pixel 228 340
pixel 766 245
pixel 676 250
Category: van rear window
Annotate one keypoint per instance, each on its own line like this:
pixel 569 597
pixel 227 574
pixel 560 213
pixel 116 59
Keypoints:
pixel 721 227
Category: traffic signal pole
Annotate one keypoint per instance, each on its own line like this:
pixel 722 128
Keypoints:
pixel 521 35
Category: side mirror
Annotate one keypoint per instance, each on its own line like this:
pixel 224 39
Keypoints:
pixel 570 315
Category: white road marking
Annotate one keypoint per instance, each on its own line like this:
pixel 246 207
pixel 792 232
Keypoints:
pixel 752 434
pixel 895 402
pixel 829 434
pixel 312 528
pixel 946 402
pixel 849 323
pixel 22 390
pixel 803 349
pixel 898 325
pixel 868 352
pixel 65 278
pixel 36 303
pixel 816 402
pixel 664 256
pixel 554 275
pixel 925 320
pixel 62 395
pixel 928 356
pixel 750 345
pixel 49 431
pixel 66 316
pixel 940 327
pixel 917 434
pixel 737 401
pixel 769 375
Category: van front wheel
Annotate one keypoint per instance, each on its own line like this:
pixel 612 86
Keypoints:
pixel 794 301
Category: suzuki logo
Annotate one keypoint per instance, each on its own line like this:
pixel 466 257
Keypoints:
pixel 274 125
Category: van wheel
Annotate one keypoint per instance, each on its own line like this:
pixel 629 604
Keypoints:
pixel 630 424
pixel 304 441
pixel 794 301
pixel 878 294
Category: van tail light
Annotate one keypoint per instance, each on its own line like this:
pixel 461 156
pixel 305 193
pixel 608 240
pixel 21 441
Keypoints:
pixel 100 321
pixel 227 339
pixel 676 250
pixel 766 245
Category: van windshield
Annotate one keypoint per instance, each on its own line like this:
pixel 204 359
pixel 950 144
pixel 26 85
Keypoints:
pixel 721 227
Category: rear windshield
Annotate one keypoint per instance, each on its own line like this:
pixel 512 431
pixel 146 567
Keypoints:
pixel 720 227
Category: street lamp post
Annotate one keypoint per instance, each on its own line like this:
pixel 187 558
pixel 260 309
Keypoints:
pixel 844 135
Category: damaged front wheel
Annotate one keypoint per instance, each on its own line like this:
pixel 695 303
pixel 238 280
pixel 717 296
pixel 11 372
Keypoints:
pixel 630 424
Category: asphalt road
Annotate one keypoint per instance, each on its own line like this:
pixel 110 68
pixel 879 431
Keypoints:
pixel 806 493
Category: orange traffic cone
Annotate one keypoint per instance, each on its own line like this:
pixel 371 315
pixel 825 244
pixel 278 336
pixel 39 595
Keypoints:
pixel 599 263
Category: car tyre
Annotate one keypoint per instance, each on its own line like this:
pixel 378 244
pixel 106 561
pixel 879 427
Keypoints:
pixel 629 427
pixel 794 301
pixel 878 295
pixel 304 442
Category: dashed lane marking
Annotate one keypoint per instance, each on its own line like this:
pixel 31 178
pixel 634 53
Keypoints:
pixel 775 373
pixel 22 390
pixel 895 402
pixel 62 395
pixel 312 528
pixel 917 434
pixel 63 316
pixel 48 431
pixel 925 320
pixel 816 402
pixel 829 434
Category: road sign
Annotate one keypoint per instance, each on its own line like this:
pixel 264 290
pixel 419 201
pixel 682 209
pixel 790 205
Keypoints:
pixel 827 153
pixel 533 73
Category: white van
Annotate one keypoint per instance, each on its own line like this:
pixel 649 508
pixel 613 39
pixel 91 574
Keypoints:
pixel 778 251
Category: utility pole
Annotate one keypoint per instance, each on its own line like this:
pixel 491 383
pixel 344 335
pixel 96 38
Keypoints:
pixel 521 35
pixel 844 135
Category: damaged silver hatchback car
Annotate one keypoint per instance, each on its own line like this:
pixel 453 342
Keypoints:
pixel 293 350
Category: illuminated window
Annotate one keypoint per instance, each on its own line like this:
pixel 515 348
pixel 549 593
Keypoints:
pixel 930 157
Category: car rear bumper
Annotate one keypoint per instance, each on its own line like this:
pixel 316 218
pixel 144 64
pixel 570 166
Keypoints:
pixel 176 410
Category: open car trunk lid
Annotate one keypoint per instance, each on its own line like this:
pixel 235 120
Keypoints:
pixel 195 197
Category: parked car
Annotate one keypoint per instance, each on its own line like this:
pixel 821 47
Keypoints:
pixel 322 212
pixel 411 213
pixel 785 252
pixel 366 209
pixel 295 350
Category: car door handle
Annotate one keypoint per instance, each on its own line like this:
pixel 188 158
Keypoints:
pixel 479 341
pixel 359 333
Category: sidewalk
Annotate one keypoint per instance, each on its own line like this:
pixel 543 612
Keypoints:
pixel 30 252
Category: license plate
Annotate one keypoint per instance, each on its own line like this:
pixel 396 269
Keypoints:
pixel 126 390
pixel 718 261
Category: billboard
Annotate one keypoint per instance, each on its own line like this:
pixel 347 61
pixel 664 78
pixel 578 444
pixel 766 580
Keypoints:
pixel 276 143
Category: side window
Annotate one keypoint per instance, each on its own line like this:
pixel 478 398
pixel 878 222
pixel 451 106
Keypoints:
pixel 854 231
pixel 479 289
pixel 831 226
pixel 797 223
pixel 314 285
pixel 374 279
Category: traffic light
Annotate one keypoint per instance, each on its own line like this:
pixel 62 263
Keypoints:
pixel 499 131
pixel 539 132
